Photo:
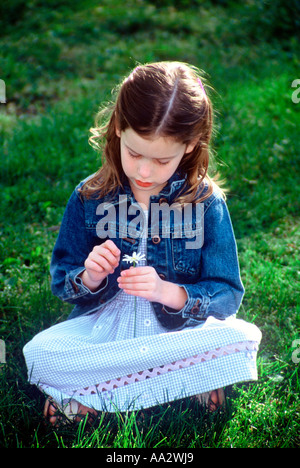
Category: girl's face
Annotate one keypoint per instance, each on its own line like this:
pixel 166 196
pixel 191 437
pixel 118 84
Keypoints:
pixel 149 163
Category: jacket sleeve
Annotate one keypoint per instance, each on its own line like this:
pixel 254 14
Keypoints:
pixel 69 254
pixel 219 291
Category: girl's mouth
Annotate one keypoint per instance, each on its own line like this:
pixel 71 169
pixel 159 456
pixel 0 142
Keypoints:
pixel 143 184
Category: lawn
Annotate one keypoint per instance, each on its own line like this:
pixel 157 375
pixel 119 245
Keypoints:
pixel 59 61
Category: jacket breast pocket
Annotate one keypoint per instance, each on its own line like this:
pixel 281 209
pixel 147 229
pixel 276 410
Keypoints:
pixel 186 250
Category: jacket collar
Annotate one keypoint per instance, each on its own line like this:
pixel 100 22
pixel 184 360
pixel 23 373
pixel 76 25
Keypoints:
pixel 174 185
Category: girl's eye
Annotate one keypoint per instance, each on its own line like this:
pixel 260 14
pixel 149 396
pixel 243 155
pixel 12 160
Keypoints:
pixel 135 156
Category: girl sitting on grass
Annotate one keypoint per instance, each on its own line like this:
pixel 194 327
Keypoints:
pixel 163 328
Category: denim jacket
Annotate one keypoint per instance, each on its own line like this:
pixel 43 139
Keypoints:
pixel 208 270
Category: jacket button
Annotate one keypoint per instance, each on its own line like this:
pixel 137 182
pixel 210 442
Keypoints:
pixel 156 239
pixel 162 276
pixel 194 310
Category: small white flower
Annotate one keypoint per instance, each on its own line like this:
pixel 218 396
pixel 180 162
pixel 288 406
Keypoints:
pixel 135 259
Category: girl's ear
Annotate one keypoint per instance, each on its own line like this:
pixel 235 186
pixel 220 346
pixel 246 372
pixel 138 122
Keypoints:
pixel 117 130
pixel 191 146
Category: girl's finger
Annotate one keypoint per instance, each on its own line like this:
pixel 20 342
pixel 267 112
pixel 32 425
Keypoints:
pixel 93 266
pixel 136 286
pixel 136 271
pixel 101 261
pixel 111 246
pixel 126 280
pixel 101 253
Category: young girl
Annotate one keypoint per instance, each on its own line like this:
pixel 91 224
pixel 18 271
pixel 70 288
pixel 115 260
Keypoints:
pixel 163 327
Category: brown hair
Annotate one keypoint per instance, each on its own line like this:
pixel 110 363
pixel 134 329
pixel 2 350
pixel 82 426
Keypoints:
pixel 165 99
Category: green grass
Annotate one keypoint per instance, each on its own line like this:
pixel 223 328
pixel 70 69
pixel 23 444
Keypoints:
pixel 59 64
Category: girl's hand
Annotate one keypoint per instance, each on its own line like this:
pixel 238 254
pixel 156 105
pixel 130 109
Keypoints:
pixel 101 262
pixel 145 282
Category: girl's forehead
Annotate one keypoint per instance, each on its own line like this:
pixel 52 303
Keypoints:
pixel 160 147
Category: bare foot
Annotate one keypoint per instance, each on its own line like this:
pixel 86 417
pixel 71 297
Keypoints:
pixel 216 399
pixel 212 400
pixel 71 412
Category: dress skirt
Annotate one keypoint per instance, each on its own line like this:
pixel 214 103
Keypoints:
pixel 121 358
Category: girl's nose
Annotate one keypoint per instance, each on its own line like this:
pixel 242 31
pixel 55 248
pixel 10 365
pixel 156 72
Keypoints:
pixel 144 169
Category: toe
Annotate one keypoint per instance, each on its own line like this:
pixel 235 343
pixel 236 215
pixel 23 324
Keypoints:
pixel 216 399
pixel 50 411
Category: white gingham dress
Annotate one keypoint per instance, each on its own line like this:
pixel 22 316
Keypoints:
pixel 96 359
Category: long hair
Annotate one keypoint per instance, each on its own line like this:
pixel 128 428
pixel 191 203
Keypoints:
pixel 163 99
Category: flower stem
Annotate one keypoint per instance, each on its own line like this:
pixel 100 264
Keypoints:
pixel 134 323
pixel 134 326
